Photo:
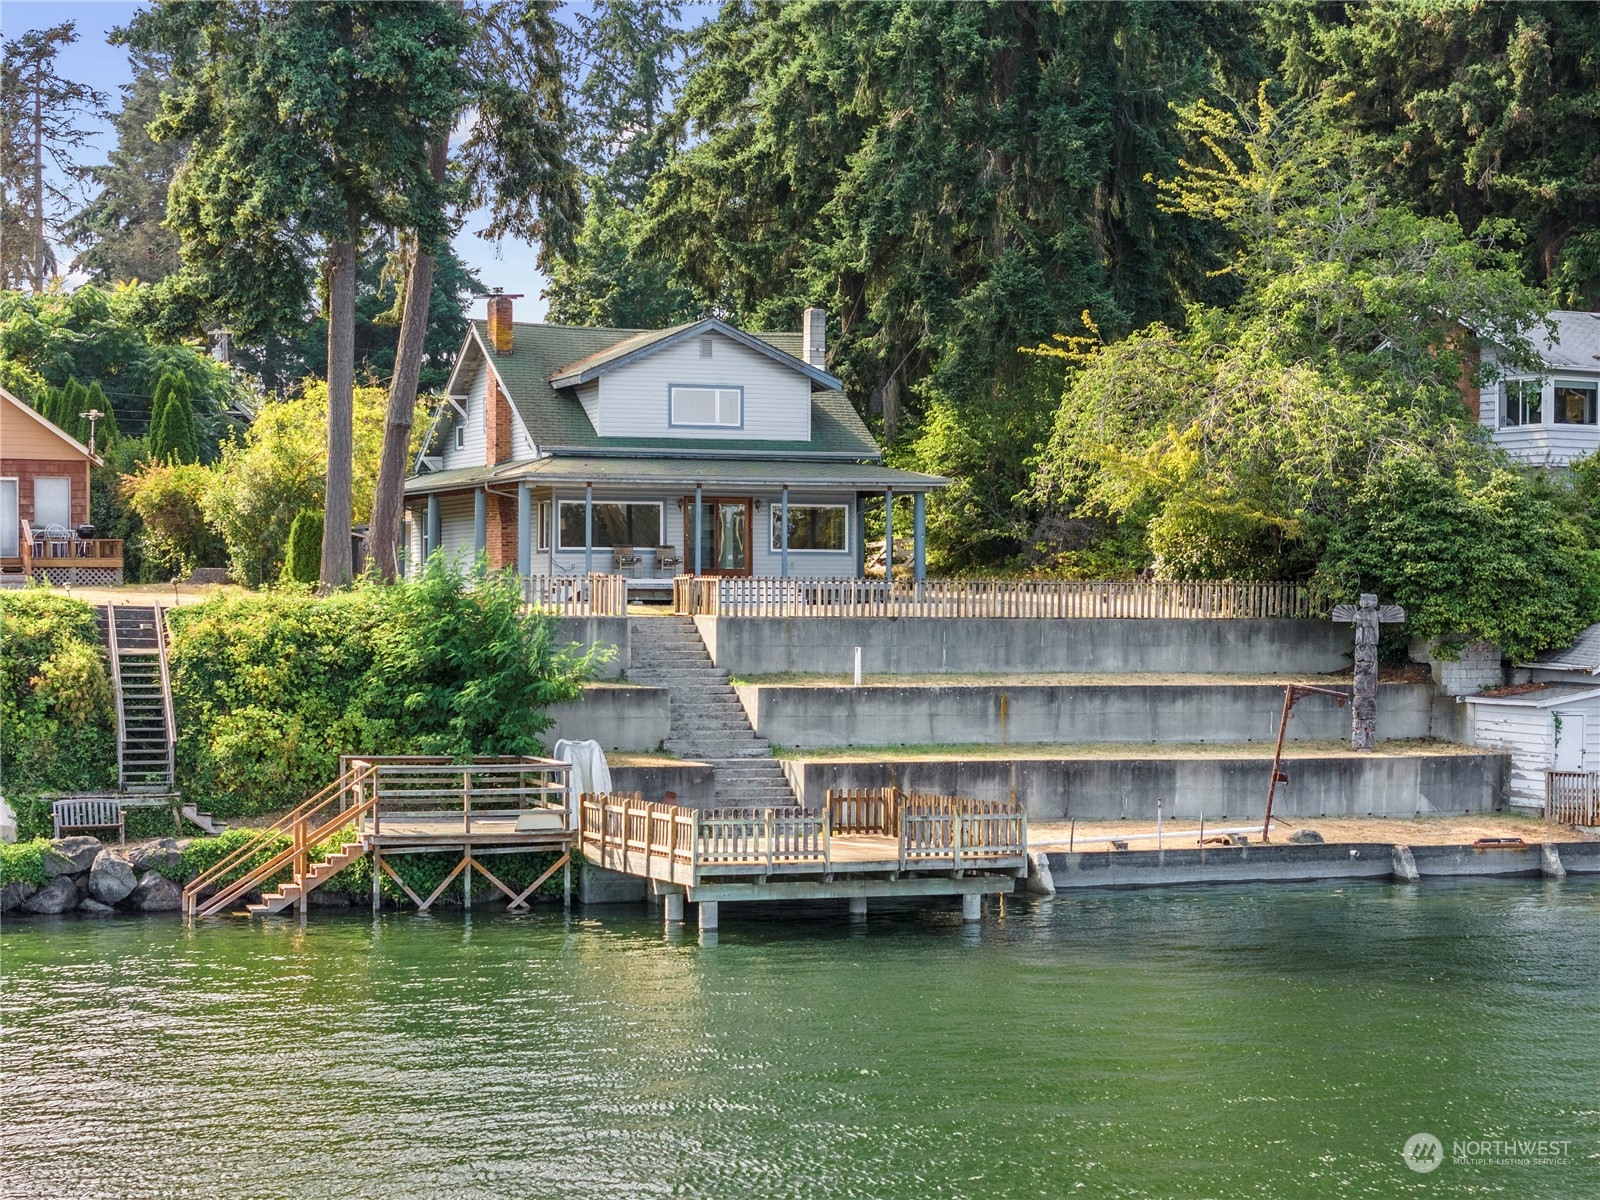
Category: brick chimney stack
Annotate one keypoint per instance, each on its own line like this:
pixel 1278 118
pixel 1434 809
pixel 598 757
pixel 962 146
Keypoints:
pixel 500 320
pixel 813 337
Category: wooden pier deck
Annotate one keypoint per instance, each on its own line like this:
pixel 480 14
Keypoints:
pixel 860 844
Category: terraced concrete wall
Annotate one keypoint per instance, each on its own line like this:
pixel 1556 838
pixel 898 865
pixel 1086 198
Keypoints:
pixel 746 646
pixel 1190 786
pixel 582 632
pixel 814 716
pixel 618 716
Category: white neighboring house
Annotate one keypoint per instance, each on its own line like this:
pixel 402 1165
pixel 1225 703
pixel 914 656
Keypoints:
pixel 1549 720
pixel 1551 418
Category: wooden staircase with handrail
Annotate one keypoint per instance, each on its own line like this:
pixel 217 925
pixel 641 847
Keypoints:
pixel 307 827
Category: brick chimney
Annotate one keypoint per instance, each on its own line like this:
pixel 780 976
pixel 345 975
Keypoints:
pixel 500 320
pixel 813 337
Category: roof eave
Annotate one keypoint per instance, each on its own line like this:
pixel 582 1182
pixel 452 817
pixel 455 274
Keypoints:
pixel 566 378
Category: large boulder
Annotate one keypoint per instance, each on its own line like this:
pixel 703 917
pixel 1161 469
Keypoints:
pixel 162 855
pixel 155 893
pixel 112 878
pixel 58 896
pixel 95 909
pixel 71 856
pixel 15 895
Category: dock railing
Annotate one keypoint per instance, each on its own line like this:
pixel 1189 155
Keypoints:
pixel 715 596
pixel 593 595
pixel 669 842
pixel 1572 797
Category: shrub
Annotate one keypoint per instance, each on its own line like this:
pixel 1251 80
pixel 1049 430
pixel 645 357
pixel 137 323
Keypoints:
pixel 57 721
pixel 23 862
pixel 174 437
pixel 302 560
pixel 270 689
pixel 168 498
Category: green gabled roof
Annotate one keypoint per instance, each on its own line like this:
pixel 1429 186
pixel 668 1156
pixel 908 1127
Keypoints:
pixel 557 423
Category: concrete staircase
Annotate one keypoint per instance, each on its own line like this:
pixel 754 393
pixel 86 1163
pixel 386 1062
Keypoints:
pixel 708 722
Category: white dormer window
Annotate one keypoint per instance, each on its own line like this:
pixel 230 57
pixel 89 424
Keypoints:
pixel 461 436
pixel 708 407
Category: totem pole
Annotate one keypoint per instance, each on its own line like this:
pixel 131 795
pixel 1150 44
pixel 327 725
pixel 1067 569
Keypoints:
pixel 1364 710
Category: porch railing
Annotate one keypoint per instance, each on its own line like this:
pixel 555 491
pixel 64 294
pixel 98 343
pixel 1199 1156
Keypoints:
pixel 1023 598
pixel 1572 797
pixel 593 595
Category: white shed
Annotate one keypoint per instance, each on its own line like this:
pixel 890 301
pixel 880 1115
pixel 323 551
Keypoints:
pixel 1544 727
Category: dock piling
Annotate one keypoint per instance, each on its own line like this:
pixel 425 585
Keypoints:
pixel 673 904
pixel 708 915
pixel 971 907
pixel 858 906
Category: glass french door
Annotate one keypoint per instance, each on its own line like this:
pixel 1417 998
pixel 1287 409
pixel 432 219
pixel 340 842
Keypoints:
pixel 724 536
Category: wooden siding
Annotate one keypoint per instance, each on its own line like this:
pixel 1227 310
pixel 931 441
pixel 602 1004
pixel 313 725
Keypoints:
pixel 456 535
pixel 777 400
pixel 1528 735
pixel 474 453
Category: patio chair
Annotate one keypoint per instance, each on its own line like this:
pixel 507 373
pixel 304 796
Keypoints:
pixel 623 557
pixel 668 559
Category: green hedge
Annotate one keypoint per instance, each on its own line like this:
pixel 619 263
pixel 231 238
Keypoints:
pixel 23 862
pixel 271 688
pixel 57 717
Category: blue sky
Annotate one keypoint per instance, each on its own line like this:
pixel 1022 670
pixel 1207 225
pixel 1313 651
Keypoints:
pixel 507 264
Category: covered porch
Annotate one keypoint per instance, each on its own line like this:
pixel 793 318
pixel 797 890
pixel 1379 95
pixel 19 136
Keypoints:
pixel 650 520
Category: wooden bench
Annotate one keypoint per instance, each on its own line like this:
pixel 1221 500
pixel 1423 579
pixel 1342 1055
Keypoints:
pixel 90 813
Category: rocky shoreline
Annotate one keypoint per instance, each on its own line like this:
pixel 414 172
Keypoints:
pixel 86 876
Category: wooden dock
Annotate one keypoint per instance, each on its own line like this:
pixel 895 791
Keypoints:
pixel 861 843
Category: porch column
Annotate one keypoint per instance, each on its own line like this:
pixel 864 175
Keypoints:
pixel 919 530
pixel 480 521
pixel 430 539
pixel 783 519
pixel 698 521
pixel 861 535
pixel 888 534
pixel 588 528
pixel 524 530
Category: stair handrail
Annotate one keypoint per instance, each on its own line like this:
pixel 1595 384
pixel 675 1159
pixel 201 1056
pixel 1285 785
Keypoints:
pixel 168 720
pixel 294 855
pixel 116 690
pixel 283 824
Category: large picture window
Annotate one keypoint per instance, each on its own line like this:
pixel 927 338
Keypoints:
pixel 812 527
pixel 1522 403
pixel 1575 402
pixel 714 407
pixel 614 524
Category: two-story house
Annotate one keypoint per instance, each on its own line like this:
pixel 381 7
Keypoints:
pixel 700 449
pixel 1549 418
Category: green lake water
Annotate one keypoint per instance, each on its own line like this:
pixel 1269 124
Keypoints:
pixel 1279 1042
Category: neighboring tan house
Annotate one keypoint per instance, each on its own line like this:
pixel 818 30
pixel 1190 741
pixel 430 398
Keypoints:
pixel 699 449
pixel 44 503
pixel 1550 418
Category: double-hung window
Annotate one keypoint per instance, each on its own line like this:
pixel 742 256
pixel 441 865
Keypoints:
pixel 811 527
pixel 1522 404
pixel 706 407
pixel 1575 402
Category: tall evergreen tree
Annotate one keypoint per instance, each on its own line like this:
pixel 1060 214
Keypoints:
pixel 123 226
pixel 513 162
pixel 41 125
pixel 173 435
pixel 309 126
pixel 1477 110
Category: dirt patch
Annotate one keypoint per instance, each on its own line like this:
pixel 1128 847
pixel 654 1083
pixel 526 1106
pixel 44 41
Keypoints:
pixel 1410 831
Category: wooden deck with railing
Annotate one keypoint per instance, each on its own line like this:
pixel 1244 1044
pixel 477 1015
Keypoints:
pixel 887 833
pixel 593 595
pixel 397 805
pixel 1007 598
pixel 61 556
pixel 1572 797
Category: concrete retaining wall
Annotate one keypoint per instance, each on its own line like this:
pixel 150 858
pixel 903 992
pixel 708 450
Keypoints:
pixel 583 632
pixel 694 782
pixel 1191 787
pixel 927 645
pixel 813 716
pixel 1287 864
pixel 618 716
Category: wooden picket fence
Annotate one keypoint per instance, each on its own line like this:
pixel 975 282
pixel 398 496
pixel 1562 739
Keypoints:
pixel 1020 598
pixel 593 595
pixel 1572 797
